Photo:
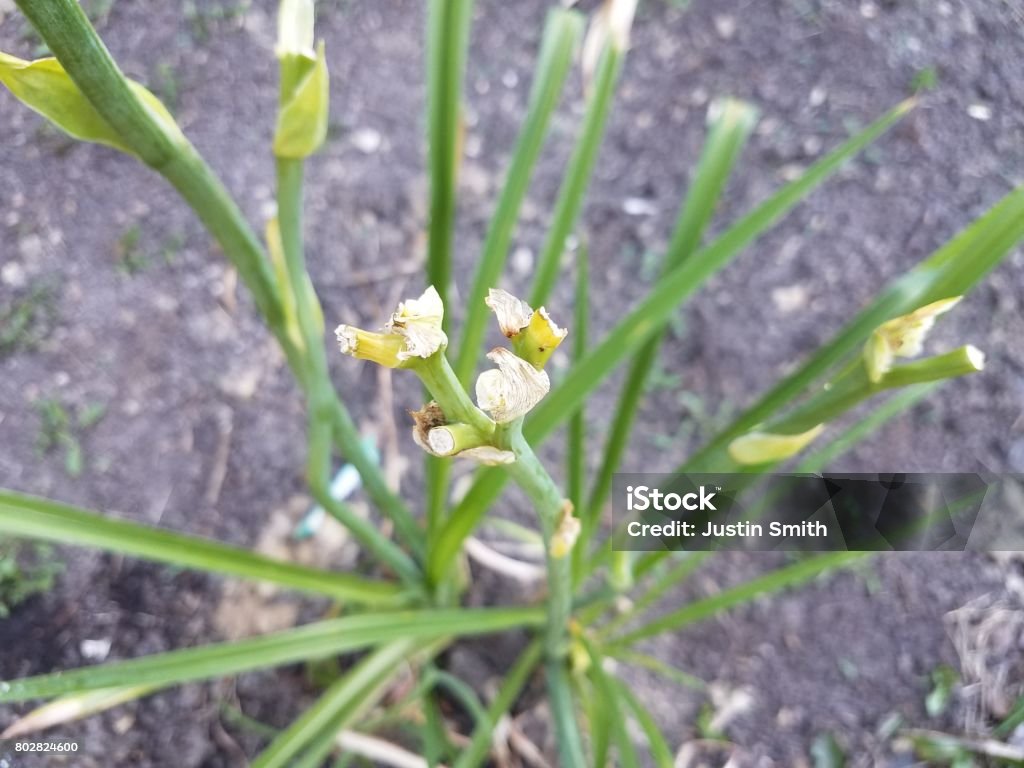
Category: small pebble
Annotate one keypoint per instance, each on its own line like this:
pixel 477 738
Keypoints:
pixel 366 140
pixel 981 112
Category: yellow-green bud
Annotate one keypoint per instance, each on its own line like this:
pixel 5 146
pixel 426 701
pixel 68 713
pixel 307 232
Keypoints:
pixel 762 447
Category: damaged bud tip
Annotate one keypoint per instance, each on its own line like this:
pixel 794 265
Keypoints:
pixel 413 333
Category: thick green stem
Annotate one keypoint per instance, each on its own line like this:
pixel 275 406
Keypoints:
pixel 531 476
pixel 439 378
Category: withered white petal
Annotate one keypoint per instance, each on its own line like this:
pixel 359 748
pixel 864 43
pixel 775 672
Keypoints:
pixel 348 339
pixel 511 390
pixel 419 322
pixel 513 313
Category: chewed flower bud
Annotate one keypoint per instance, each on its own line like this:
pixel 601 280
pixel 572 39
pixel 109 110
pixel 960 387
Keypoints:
pixel 763 447
pixel 413 332
pixel 541 338
pixel 511 390
pixel 902 337
pixel 381 348
pixel 534 334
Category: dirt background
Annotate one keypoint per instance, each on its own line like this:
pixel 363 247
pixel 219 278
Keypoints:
pixel 202 426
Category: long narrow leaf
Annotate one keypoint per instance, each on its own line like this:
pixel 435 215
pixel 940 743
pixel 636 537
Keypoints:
pixel 661 752
pixel 628 757
pixel 511 686
pixel 561 34
pixel 951 271
pixel 639 325
pixel 448 39
pixel 36 518
pixel 315 730
pixel 783 578
pixel 563 711
pixel 576 439
pixel 578 171
pixel 726 139
pixel 313 641
pixel 900 402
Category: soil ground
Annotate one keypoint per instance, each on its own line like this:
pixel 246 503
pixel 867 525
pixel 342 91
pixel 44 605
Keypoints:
pixel 202 427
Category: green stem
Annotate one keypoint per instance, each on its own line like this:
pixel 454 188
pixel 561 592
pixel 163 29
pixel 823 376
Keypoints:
pixel 439 378
pixel 531 476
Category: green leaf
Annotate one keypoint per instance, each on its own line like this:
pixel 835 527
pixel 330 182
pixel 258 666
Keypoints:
pixel 783 578
pixel 951 271
pixel 827 452
pixel 448 39
pixel 728 135
pixel 511 686
pixel 302 118
pixel 826 752
pixel 37 518
pixel 658 746
pixel 67 709
pixel 630 333
pixel 45 87
pixel 578 173
pixel 663 582
pixel 609 692
pixel 944 682
pixel 561 34
pixel 310 642
pixel 318 726
pixel 576 439
pixel 563 711
pixel 659 667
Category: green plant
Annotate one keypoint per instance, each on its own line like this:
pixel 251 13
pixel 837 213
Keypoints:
pixel 26 569
pixel 62 428
pixel 410 607
pixel 26 319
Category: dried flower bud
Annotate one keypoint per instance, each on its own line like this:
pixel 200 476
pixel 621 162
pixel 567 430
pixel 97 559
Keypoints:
pixel 763 447
pixel 511 390
pixel 413 333
pixel 568 530
pixel 902 337
pixel 534 334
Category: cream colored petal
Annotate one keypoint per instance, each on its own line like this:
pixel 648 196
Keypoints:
pixel 513 313
pixel 295 28
pixel 419 322
pixel 906 334
pixel 511 390
pixel 762 447
pixel 427 309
